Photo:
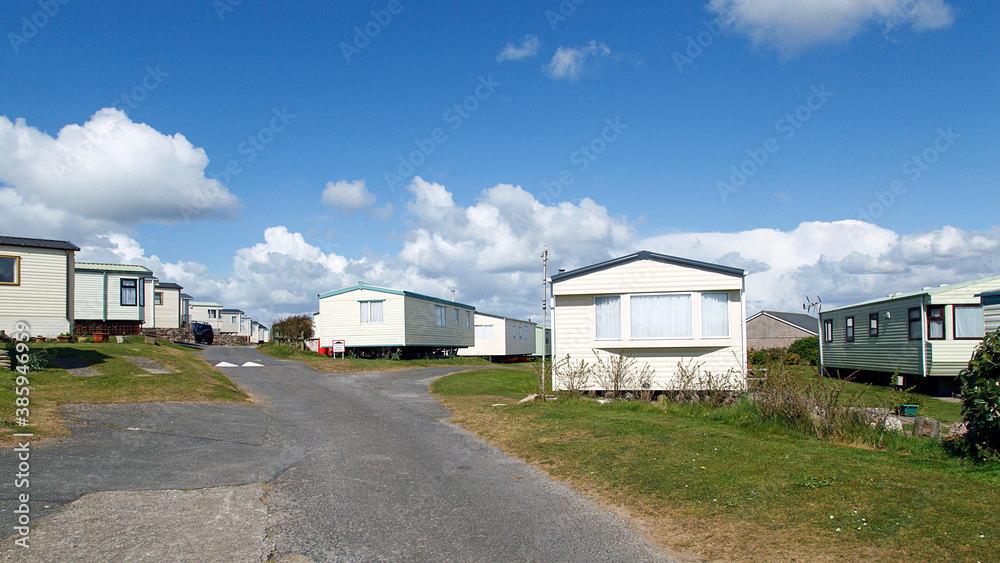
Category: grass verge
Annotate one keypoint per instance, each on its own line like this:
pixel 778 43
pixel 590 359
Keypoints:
pixel 356 365
pixel 121 381
pixel 724 484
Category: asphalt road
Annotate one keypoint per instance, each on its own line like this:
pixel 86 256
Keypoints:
pixel 359 467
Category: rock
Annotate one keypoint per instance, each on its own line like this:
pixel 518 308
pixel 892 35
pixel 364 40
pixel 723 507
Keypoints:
pixel 924 426
pixel 528 399
pixel 958 429
pixel 893 424
pixel 499 404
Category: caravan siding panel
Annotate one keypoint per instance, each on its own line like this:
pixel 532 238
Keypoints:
pixel 991 317
pixel 117 311
pixel 340 319
pixel 168 314
pixel 647 276
pixel 889 351
pixel 422 330
pixel 90 296
pixel 494 346
pixel 41 297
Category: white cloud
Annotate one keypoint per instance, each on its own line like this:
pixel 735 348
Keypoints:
pixel 108 174
pixel 527 49
pixel 843 261
pixel 570 63
pixel 793 25
pixel 489 252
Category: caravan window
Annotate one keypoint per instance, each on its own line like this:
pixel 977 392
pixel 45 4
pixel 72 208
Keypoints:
pixel 441 315
pixel 935 322
pixel 913 323
pixel 849 329
pixel 10 270
pixel 969 322
pixel 129 296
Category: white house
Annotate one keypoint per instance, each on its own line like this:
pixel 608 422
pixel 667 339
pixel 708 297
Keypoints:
pixel 112 298
pixel 37 286
pixel 259 333
pixel 376 320
pixel 661 310
pixel 501 337
pixel 207 312
pixel 928 333
pixel 167 305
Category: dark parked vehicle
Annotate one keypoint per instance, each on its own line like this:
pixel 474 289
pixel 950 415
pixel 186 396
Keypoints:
pixel 203 333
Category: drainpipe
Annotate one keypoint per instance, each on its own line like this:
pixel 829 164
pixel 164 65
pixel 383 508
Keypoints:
pixel 104 315
pixel 743 326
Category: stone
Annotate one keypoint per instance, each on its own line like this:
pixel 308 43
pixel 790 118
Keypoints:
pixel 499 404
pixel 528 399
pixel 924 426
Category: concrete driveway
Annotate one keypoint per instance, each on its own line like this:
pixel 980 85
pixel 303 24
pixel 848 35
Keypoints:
pixel 323 467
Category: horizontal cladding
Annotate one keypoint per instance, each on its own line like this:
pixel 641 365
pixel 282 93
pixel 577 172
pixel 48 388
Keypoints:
pixel 42 291
pixel 724 364
pixel 422 330
pixel 340 319
pixel 647 277
pixel 890 351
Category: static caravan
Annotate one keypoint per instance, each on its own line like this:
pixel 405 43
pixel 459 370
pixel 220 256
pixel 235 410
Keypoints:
pixel 207 312
pixel 167 311
pixel 543 344
pixel 991 310
pixel 662 310
pixel 929 333
pixel 112 298
pixel 37 286
pixel 375 321
pixel 232 321
pixel 501 337
pixel 777 329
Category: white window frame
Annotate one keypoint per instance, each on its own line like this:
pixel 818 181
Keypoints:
pixel 365 311
pixel 690 335
pixel 597 324
pixel 728 320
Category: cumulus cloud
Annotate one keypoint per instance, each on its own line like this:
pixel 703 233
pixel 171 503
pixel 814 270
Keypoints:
pixel 489 251
pixel 107 174
pixel 841 261
pixel 793 25
pixel 352 197
pixel 571 63
pixel 527 49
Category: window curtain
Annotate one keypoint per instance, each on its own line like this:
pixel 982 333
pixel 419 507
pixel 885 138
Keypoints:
pixel 969 322
pixel 484 332
pixel 129 293
pixel 609 316
pixel 661 316
pixel 715 315
pixel 365 319
pixel 377 311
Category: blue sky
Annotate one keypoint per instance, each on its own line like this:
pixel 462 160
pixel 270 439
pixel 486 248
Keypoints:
pixel 602 131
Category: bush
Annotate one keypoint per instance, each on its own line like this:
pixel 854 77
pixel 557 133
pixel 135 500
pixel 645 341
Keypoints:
pixel 792 359
pixel 757 357
pixel 980 384
pixel 806 348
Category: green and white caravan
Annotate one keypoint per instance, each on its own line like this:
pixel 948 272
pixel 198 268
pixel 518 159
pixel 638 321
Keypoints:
pixel 929 333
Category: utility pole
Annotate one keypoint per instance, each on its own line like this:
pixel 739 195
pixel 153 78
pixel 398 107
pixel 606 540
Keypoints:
pixel 545 306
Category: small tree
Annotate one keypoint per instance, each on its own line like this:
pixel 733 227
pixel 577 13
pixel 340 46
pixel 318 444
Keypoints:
pixel 293 328
pixel 807 348
pixel 980 384
pixel 619 373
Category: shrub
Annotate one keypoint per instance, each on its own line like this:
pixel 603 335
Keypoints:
pixel 620 373
pixel 806 348
pixel 980 384
pixel 757 357
pixel 573 377
pixel 792 359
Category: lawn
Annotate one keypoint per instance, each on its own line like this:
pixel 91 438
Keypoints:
pixel 725 485
pixel 357 365
pixel 121 381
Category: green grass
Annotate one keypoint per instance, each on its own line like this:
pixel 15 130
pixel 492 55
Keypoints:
pixel 356 365
pixel 947 413
pixel 721 482
pixel 120 381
